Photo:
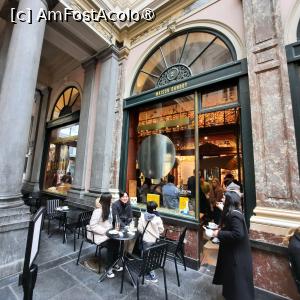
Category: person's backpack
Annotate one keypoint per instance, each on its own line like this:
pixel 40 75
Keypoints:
pixel 294 257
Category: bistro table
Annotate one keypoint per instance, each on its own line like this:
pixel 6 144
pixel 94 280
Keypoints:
pixel 122 236
pixel 70 216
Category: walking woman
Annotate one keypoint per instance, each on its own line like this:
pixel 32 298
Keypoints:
pixel 234 264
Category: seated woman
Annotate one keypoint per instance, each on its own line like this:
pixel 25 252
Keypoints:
pixel 99 224
pixel 150 223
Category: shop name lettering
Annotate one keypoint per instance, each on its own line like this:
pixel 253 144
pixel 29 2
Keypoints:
pixel 171 89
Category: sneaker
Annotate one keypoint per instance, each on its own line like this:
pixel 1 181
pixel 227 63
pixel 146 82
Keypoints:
pixel 110 274
pixel 117 268
pixel 149 278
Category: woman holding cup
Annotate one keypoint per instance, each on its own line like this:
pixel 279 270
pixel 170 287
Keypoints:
pixel 234 264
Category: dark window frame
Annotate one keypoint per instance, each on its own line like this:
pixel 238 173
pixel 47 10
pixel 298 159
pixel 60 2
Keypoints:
pixel 293 60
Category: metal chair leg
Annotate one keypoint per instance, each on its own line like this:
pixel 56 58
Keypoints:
pixel 74 240
pixel 122 282
pixel 48 226
pixel 165 283
pixel 175 261
pixel 79 252
pixel 99 259
pixel 137 288
pixel 183 260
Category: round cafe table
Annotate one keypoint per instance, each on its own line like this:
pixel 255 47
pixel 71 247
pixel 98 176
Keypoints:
pixel 122 236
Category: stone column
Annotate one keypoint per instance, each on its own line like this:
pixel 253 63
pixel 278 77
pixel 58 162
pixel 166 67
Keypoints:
pixel 85 137
pixel 103 146
pixel 16 100
pixel 117 135
pixel 32 179
pixel 276 165
pixel 5 39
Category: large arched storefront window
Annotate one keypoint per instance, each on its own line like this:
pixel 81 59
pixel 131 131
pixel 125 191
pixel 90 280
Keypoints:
pixel 62 135
pixel 188 54
pixel 186 93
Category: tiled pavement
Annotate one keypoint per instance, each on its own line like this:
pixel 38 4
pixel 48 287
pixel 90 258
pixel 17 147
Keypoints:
pixel 60 278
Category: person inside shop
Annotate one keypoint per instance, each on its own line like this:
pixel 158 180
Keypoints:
pixel 205 186
pixel 229 178
pixel 234 264
pixel 231 185
pixel 170 193
pixel 67 178
pixel 96 231
pixel 145 189
pixel 152 224
pixel 203 199
pixel 215 196
pixel 157 189
pixel 138 183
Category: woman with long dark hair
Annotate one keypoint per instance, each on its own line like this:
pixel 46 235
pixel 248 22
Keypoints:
pixel 234 264
pixel 99 224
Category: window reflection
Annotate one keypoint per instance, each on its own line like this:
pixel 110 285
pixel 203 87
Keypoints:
pixel 161 155
pixel 157 172
pixel 60 165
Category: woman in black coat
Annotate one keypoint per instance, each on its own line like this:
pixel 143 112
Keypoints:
pixel 234 264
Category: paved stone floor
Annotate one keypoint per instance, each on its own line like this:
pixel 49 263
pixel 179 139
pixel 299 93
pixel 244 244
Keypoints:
pixel 60 278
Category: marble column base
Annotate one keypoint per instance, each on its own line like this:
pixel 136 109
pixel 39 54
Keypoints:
pixel 13 236
pixel 274 220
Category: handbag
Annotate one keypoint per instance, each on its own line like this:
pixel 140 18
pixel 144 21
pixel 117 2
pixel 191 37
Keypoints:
pixel 139 247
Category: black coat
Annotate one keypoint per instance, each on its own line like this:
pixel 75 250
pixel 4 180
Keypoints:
pixel 123 211
pixel 294 257
pixel 234 264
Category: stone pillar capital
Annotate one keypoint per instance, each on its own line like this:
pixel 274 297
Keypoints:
pixel 111 51
pixel 92 62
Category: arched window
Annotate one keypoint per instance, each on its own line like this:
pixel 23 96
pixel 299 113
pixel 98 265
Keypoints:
pixel 62 142
pixel 186 55
pixel 67 103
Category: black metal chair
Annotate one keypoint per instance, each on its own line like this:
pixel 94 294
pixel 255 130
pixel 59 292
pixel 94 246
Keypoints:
pixel 86 216
pixel 80 226
pixel 175 249
pixel 52 213
pixel 153 258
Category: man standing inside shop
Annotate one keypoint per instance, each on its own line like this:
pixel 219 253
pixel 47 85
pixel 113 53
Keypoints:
pixel 170 193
